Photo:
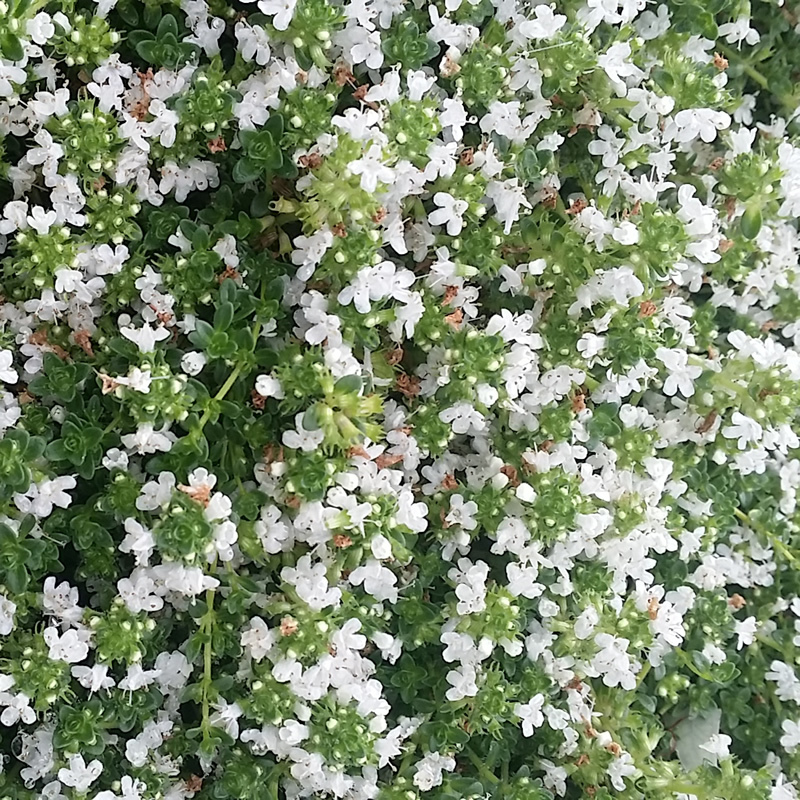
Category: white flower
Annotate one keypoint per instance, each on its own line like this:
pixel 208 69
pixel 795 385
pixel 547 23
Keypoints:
pixel 617 65
pixel 378 581
pixel 93 678
pixel 371 169
pixel 717 745
pixel 311 584
pixel 744 429
pixel 302 439
pixel 508 197
pixel 146 440
pixel 429 770
pixel 449 213
pixel 61 601
pixel 745 631
pixel 7 373
pixel 145 337
pixel 226 716
pixel 7 610
pixel 267 386
pixel 40 220
pixel 137 678
pixel 738 31
pixel 39 499
pixel 791 735
pixel 462 513
pixel 620 768
pixel 253 43
pixel 79 775
pixel 17 708
pixel 463 417
pixel 546 24
pixel 462 683
pixel 192 362
pixel 71 646
pixel 681 375
pixel 40 28
pixel 690 123
pixel 530 714
pixel 281 11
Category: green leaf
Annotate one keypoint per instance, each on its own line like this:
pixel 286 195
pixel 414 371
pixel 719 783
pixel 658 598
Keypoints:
pixel 135 38
pixel 310 419
pixel 128 14
pixel 223 317
pixel 16 577
pixel 274 126
pixel 751 221
pixel 167 26
pixel 201 240
pixel 246 137
pixel 152 16
pixel 527 165
pixel 57 451
pixel 202 333
pixel 259 206
pixel 11 46
pixel 245 171
pixel 26 525
pixel 349 384
pixel 227 291
pixel 151 51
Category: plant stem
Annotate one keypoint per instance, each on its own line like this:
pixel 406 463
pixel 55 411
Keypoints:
pixel 232 378
pixel 749 69
pixel 220 395
pixel 208 629
pixel 480 766
pixel 774 540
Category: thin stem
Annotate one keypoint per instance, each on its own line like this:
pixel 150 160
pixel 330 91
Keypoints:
pixel 774 540
pixel 773 645
pixel 749 69
pixel 232 378
pixel 687 662
pixel 483 771
pixel 220 395
pixel 208 631
pixel 111 425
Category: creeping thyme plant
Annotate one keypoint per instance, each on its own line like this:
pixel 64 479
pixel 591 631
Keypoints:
pixel 399 399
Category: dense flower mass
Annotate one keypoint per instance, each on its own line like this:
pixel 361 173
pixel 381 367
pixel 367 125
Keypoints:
pixel 399 399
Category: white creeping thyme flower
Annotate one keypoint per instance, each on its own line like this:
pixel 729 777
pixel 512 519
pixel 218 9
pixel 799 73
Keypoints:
pixel 7 610
pixel 530 714
pixel 80 775
pixel 448 213
pixel 429 771
pixel 71 646
pixel 267 386
pixel 39 499
pixel 7 373
pixel 193 363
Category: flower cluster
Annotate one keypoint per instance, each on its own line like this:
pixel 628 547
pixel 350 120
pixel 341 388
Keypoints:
pixel 399 400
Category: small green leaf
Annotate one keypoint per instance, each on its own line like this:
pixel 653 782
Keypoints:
pixel 751 221
pixel 11 46
pixel 202 333
pixel 245 171
pixel 310 419
pixel 16 577
pixel 167 25
pixel 223 315
pixel 349 384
